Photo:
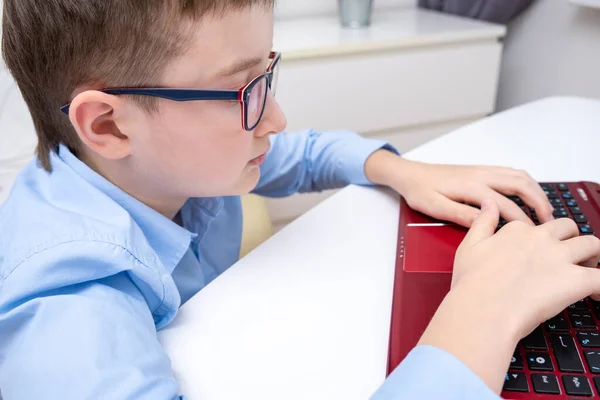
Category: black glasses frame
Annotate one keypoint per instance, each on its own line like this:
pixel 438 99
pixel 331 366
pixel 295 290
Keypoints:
pixel 242 95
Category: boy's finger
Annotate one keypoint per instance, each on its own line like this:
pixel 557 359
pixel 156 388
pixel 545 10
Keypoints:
pixel 445 209
pixel 583 250
pixel 509 209
pixel 485 224
pixel 529 190
pixel 561 229
pixel 590 283
pixel 534 197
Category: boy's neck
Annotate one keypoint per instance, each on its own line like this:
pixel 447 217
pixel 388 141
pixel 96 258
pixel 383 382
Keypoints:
pixel 113 172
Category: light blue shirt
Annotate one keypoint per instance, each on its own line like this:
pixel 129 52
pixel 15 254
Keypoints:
pixel 88 275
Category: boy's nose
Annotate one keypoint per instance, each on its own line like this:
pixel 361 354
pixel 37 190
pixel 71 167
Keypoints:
pixel 273 120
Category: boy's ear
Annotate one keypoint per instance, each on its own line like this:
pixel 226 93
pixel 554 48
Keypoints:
pixel 95 117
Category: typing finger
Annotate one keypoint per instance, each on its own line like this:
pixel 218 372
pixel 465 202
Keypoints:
pixel 561 229
pixel 443 208
pixel 485 225
pixel 584 250
pixel 527 189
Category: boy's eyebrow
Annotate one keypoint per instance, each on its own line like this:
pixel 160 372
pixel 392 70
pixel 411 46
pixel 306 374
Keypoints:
pixel 239 66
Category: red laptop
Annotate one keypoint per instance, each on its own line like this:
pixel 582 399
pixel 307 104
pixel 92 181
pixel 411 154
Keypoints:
pixel 560 359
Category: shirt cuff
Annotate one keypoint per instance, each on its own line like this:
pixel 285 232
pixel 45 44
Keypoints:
pixel 357 151
pixel 429 373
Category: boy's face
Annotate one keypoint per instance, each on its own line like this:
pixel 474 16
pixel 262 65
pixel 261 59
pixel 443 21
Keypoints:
pixel 199 148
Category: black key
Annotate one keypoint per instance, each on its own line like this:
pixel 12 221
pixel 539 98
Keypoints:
pixel 546 186
pixel 551 195
pixel 560 213
pixel 597 310
pixel 577 385
pixel 517 200
pixel 567 196
pixel 586 229
pixel 581 305
pixel 539 361
pixel 547 384
pixel 597 383
pixel 516 382
pixel 534 216
pixel 556 202
pixel 535 340
pixel 571 203
pixel 566 353
pixel 516 362
pixel 563 187
pixel 593 359
pixel 589 339
pixel 580 218
pixel 501 223
pixel 558 324
pixel 581 320
pixel 575 210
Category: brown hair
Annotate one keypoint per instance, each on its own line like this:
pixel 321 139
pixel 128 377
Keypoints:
pixel 52 47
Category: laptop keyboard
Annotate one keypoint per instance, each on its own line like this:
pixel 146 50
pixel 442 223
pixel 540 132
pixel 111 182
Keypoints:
pixel 565 206
pixel 562 355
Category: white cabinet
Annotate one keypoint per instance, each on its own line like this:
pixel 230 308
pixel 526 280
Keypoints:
pixel 410 77
pixel 390 89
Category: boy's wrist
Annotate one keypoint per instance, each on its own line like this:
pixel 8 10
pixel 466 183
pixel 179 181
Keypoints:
pixel 483 338
pixel 384 167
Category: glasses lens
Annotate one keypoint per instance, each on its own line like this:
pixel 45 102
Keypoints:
pixel 256 102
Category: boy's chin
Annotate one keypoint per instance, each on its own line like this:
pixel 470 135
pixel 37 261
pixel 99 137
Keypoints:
pixel 247 182
pixel 244 185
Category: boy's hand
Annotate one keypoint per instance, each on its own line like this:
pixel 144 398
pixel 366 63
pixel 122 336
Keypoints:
pixel 505 285
pixel 532 272
pixel 440 190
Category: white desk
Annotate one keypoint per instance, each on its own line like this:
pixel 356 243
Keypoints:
pixel 306 315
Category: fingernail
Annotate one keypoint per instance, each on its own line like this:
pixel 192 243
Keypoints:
pixel 486 204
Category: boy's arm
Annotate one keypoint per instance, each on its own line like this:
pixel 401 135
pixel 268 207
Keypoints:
pixel 313 161
pixel 428 373
pixel 68 332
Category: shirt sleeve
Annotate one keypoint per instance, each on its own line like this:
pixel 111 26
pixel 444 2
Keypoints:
pixel 68 333
pixel 429 373
pixel 313 161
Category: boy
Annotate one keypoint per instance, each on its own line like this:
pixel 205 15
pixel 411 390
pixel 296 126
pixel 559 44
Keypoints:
pixel 132 205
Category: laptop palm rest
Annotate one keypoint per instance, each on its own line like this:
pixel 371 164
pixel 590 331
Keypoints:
pixel 431 247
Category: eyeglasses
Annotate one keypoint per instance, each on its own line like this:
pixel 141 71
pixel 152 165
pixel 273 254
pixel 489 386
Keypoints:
pixel 252 97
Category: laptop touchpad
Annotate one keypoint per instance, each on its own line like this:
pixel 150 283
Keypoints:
pixel 431 247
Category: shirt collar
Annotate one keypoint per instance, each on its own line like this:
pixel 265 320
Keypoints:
pixel 169 240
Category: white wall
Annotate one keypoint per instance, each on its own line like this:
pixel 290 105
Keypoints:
pixel 298 8
pixel 551 49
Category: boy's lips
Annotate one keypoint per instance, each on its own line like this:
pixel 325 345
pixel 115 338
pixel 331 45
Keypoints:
pixel 259 160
